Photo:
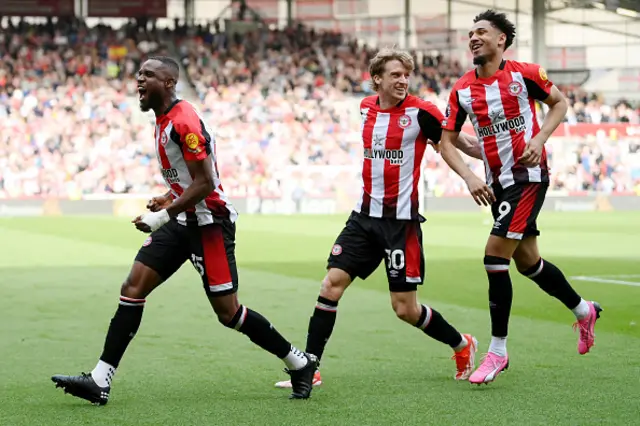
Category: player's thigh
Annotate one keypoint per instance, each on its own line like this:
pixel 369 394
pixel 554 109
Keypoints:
pixel 516 209
pixel 163 252
pixel 213 256
pixel 404 254
pixel 355 250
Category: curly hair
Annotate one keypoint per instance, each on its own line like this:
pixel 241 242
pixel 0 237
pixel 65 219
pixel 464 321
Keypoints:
pixel 499 21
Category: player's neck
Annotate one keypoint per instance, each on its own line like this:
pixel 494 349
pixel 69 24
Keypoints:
pixel 387 102
pixel 162 109
pixel 490 68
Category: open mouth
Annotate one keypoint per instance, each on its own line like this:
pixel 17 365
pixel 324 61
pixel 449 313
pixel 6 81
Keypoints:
pixel 141 93
pixel 476 48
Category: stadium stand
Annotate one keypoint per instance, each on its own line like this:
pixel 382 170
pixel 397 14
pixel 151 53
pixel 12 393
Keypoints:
pixel 284 105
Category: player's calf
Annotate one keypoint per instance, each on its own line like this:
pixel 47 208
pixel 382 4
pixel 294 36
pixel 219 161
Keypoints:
pixel 433 324
pixel 320 328
pixel 500 293
pixel 323 319
pixel 553 282
pixel 325 312
pixel 95 386
pixel 260 331
pixel 122 329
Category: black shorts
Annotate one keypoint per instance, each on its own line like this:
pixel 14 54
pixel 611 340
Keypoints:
pixel 210 248
pixel 516 209
pixel 365 242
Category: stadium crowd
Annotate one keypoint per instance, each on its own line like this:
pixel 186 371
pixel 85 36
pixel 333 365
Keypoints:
pixel 284 106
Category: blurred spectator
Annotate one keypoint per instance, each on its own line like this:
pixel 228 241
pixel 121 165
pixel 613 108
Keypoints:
pixel 284 105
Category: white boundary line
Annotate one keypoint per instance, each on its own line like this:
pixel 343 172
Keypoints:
pixel 621 276
pixel 606 281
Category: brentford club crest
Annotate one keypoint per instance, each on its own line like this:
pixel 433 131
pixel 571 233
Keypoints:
pixel 336 250
pixel 404 121
pixel 147 241
pixel 515 88
pixel 163 139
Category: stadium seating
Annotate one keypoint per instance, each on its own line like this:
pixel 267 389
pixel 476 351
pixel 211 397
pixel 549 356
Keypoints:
pixel 284 106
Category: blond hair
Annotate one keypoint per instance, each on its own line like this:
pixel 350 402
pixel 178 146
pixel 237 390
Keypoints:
pixel 378 63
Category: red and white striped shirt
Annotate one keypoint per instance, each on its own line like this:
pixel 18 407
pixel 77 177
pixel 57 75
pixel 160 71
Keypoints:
pixel 503 113
pixel 181 135
pixel 394 142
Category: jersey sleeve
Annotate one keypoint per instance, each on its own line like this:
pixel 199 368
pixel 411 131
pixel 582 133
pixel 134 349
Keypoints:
pixel 193 139
pixel 429 119
pixel 455 115
pixel 537 82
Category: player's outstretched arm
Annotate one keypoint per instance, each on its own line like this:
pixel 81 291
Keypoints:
pixel 469 145
pixel 480 191
pixel 202 186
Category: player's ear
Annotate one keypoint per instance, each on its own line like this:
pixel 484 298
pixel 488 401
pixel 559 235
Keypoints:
pixel 502 39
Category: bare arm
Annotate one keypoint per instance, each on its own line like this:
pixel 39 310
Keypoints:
pixel 160 214
pixel 481 193
pixel 469 145
pixel 450 154
pixel 558 107
pixel 201 187
pixel 158 203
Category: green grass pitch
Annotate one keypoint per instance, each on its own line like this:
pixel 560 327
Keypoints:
pixel 60 283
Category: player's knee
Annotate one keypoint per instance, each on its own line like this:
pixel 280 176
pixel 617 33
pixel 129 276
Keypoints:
pixel 407 312
pixel 500 247
pixel 334 284
pixel 525 258
pixel 227 308
pixel 524 264
pixel 133 288
pixel 227 314
pixel 225 317
pixel 140 282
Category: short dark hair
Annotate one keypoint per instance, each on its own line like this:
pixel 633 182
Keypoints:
pixel 500 21
pixel 170 62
